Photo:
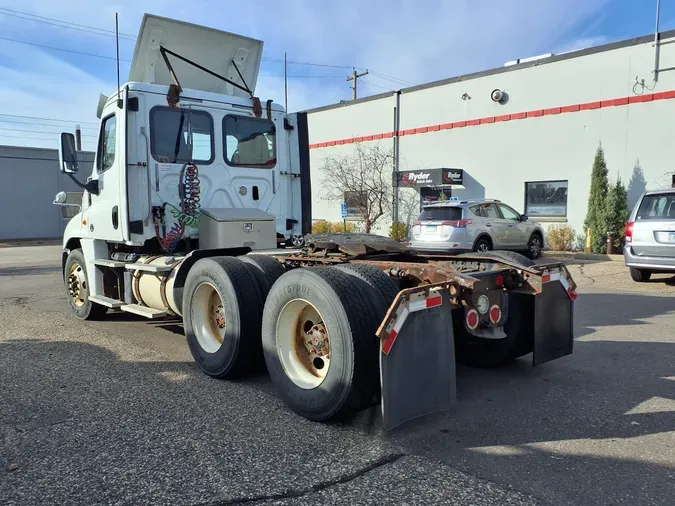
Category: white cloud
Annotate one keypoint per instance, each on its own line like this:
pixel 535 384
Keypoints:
pixel 392 37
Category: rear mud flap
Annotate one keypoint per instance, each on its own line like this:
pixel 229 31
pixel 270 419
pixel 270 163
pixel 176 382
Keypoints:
pixel 418 374
pixel 553 323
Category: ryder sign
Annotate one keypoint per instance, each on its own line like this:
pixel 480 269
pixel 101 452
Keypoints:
pixel 429 177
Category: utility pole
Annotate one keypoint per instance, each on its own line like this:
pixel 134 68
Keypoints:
pixel 285 83
pixel 354 78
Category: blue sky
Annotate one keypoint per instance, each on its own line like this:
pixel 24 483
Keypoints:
pixel 400 42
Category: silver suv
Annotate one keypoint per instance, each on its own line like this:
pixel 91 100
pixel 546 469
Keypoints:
pixel 650 235
pixel 476 225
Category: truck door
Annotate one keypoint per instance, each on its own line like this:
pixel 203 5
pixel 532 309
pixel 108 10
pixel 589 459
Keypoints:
pixel 107 215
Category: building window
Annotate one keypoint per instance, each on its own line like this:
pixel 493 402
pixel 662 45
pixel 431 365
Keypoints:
pixel 249 142
pixel 546 199
pixel 106 145
pixel 357 204
pixel 169 135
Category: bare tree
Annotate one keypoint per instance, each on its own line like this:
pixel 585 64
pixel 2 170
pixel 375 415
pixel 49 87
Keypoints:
pixel 408 206
pixel 363 180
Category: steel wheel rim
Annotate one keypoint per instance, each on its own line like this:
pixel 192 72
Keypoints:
pixel 208 316
pixel 303 344
pixel 77 285
pixel 535 246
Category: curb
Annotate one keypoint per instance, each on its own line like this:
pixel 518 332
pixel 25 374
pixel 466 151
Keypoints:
pixel 584 256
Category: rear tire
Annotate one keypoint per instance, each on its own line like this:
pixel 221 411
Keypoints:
pixel 77 288
pixel 265 269
pixel 482 245
pixel 222 309
pixel 640 275
pixel 332 302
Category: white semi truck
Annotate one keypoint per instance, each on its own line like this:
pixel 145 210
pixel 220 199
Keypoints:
pixel 196 183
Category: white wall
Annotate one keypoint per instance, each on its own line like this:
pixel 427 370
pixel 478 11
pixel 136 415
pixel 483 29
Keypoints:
pixel 499 157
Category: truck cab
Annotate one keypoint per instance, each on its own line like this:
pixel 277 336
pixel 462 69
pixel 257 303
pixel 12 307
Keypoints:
pixel 186 138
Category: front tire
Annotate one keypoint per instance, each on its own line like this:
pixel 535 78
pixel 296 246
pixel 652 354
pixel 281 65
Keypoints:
pixel 77 288
pixel 535 246
pixel 222 309
pixel 319 343
pixel 640 275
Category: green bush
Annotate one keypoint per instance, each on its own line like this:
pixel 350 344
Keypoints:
pixel 616 213
pixel 561 237
pixel 595 214
pixel 398 231
pixel 335 227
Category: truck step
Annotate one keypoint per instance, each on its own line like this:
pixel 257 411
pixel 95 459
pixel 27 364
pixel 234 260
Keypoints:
pixel 106 301
pixel 148 267
pixel 146 311
pixel 109 263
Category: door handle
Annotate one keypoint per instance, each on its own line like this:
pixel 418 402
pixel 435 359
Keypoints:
pixel 510 225
pixel 115 217
pixel 488 224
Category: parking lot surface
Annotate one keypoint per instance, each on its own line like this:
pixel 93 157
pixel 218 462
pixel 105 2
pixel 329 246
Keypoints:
pixel 115 412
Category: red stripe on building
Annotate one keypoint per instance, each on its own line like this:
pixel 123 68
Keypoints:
pixel 650 97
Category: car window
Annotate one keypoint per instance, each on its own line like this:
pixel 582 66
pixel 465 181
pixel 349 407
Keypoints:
pixel 478 211
pixel 249 142
pixel 508 213
pixel 169 135
pixel 441 214
pixel 657 207
pixel 490 210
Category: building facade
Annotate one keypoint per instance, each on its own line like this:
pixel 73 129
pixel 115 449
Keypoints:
pixel 525 133
pixel 31 179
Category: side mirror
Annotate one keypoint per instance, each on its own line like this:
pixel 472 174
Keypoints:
pixel 523 217
pixel 68 154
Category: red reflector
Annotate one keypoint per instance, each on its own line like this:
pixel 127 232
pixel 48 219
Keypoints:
pixel 472 319
pixel 499 280
pixel 546 278
pixel 434 302
pixel 387 345
pixel 573 295
pixel 495 314
pixel 629 231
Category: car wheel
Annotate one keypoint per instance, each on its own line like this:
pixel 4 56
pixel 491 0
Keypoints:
pixel 77 288
pixel 534 247
pixel 640 275
pixel 482 245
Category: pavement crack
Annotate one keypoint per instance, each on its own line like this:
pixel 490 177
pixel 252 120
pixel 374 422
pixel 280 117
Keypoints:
pixel 293 494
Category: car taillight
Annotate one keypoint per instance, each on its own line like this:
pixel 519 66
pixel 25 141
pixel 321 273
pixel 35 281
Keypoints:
pixel 495 314
pixel 417 223
pixel 629 231
pixel 457 223
pixel 472 319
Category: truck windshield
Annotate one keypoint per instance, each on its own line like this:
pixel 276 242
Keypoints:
pixel 168 135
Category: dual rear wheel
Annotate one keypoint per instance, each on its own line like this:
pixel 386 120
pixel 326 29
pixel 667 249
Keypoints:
pixel 317 335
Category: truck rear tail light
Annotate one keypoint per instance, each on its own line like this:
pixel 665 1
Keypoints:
pixel 499 280
pixel 472 319
pixel 629 231
pixel 457 223
pixel 495 314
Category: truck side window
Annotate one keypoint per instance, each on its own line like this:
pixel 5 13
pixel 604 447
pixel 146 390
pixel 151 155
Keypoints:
pixel 106 144
pixel 249 142
pixel 169 135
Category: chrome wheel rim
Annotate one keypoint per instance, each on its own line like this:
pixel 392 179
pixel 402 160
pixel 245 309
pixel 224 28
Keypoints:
pixel 483 247
pixel 535 246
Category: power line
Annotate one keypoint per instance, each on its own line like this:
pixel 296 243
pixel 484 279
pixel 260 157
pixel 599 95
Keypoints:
pixel 63 24
pixel 47 119
pixel 55 138
pixel 109 33
pixel 40 132
pixel 36 123
pixel 64 50
pixel 376 85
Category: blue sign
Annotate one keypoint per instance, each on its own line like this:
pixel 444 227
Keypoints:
pixel 454 199
pixel 343 209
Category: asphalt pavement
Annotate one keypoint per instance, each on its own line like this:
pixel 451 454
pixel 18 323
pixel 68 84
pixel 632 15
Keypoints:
pixel 115 412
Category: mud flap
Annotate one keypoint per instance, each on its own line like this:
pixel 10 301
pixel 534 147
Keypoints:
pixel 418 372
pixel 553 323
